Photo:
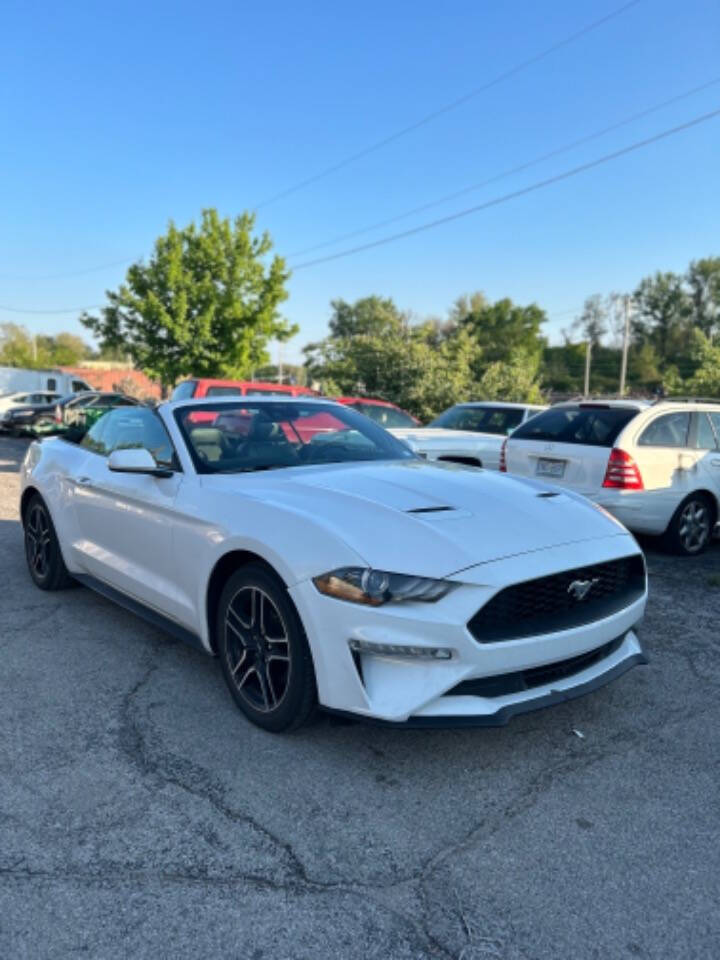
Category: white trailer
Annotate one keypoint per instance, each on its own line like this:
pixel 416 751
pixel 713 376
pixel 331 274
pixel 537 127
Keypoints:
pixel 17 379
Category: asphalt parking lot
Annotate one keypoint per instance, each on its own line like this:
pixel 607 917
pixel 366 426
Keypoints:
pixel 141 816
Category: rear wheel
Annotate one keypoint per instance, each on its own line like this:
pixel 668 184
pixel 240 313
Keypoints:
pixel 42 549
pixel 264 654
pixel 691 527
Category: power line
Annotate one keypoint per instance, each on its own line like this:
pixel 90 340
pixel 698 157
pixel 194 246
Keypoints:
pixel 515 193
pixel 94 306
pixel 507 173
pixel 453 105
pixel 72 273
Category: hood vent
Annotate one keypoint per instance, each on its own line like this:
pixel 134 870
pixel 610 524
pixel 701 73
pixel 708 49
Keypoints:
pixel 430 510
pixel 548 493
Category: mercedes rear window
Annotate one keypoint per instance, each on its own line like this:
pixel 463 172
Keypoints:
pixel 592 426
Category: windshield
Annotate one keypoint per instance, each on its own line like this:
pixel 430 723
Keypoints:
pixel 588 425
pixel 247 436
pixel 499 420
pixel 385 416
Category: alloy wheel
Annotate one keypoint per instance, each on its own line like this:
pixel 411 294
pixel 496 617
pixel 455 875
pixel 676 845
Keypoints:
pixel 38 541
pixel 257 649
pixel 694 526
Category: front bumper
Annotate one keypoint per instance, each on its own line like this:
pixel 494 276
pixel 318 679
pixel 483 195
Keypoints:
pixel 420 691
pixel 493 712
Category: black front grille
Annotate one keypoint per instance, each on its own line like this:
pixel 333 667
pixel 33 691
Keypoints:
pixel 550 603
pixel 507 683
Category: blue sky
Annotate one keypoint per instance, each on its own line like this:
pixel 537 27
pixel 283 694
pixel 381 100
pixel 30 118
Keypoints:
pixel 116 117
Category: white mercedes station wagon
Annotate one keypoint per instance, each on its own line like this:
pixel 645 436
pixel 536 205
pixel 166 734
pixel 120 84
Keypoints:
pixel 656 467
pixel 324 563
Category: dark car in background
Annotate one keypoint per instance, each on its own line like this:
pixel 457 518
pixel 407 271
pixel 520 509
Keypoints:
pixel 23 402
pixel 75 414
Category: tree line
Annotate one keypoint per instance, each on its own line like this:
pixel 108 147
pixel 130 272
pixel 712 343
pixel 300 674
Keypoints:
pixel 207 303
pixel 497 351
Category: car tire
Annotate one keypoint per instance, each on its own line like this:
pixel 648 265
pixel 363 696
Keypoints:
pixel 42 548
pixel 690 530
pixel 264 653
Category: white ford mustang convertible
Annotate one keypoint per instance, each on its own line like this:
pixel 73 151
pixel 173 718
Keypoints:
pixel 324 563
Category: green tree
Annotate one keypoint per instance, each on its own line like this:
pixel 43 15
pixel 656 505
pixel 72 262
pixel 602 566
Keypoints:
pixel 501 329
pixel 205 304
pixel 348 359
pixel 19 348
pixel 369 317
pixel 515 380
pixel 706 379
pixel 16 346
pixel 662 311
pixel 63 350
pixel 703 279
pixel 374 350
pixel 592 323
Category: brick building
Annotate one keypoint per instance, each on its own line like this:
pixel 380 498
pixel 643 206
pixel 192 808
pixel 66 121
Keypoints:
pixel 116 376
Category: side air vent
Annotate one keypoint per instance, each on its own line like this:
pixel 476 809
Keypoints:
pixel 430 510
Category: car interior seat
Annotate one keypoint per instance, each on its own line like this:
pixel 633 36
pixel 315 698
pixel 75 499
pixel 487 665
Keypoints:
pixel 210 443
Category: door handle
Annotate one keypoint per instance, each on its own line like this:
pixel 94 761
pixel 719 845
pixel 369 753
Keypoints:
pixel 84 481
pixel 715 461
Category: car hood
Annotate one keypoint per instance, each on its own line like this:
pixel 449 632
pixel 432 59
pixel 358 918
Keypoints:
pixel 424 518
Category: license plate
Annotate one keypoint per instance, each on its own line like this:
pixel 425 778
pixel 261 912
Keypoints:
pixel 550 468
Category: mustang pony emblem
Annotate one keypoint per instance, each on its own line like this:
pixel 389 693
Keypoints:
pixel 579 589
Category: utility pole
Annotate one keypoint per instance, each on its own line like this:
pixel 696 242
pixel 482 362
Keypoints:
pixel 626 344
pixel 588 352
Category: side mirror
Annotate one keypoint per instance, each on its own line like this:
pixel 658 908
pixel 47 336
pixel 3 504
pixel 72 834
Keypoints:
pixel 136 460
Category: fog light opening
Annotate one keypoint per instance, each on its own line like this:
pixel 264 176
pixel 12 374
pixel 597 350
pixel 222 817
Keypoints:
pixel 400 650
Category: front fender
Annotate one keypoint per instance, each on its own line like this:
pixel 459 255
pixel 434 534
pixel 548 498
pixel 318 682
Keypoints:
pixel 295 546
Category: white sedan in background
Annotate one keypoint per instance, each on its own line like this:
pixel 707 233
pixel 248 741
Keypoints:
pixel 323 562
pixel 469 433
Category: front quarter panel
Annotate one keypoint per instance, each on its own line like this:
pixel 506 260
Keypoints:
pixel 212 524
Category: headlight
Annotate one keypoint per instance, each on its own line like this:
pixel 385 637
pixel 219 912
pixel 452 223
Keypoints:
pixel 375 587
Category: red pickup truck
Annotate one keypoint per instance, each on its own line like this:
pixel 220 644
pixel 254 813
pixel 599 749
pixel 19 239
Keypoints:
pixel 206 387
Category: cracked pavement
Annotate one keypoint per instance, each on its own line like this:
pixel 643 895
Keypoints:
pixel 142 816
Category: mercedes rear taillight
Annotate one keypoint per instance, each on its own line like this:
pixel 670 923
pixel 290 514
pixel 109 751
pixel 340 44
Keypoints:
pixel 622 472
pixel 503 460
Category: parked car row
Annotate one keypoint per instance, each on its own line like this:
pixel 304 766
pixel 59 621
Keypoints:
pixel 653 466
pixel 387 414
